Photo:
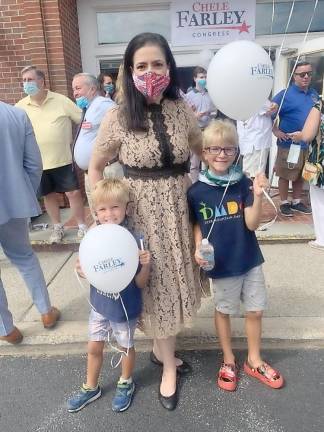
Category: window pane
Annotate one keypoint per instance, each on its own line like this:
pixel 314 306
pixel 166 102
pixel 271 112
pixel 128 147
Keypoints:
pixel 299 20
pixel 119 27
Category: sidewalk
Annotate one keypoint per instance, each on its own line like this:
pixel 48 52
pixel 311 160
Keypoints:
pixel 297 228
pixel 294 274
pixel 293 270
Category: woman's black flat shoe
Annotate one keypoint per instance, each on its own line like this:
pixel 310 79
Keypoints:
pixel 182 369
pixel 169 402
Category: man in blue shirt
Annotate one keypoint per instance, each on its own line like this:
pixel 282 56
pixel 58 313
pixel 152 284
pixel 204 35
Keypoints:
pixel 298 101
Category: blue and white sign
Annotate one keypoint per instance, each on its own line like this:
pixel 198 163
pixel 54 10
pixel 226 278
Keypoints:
pixel 208 22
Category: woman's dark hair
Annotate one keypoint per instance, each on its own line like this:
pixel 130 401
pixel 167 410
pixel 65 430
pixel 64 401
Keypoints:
pixel 134 107
pixel 100 79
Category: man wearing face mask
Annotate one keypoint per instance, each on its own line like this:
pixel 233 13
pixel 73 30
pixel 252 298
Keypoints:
pixel 51 115
pixel 204 109
pixel 86 91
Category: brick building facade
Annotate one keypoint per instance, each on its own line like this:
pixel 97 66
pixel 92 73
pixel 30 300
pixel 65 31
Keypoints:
pixel 44 33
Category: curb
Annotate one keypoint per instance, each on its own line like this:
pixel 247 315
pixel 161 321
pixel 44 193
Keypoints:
pixel 71 334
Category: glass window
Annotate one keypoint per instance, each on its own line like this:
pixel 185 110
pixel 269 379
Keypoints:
pixel 300 18
pixel 119 27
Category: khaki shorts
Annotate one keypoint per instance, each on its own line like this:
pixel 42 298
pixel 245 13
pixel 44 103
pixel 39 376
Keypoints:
pixel 289 171
pixel 249 288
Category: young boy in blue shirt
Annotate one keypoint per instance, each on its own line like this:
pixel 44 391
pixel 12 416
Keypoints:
pixel 228 218
pixel 110 199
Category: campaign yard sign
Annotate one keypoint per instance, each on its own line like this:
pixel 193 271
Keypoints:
pixel 208 22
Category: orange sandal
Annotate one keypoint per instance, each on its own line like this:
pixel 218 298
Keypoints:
pixel 266 374
pixel 228 377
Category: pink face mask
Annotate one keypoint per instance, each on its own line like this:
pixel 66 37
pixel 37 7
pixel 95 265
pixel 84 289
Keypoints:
pixel 151 84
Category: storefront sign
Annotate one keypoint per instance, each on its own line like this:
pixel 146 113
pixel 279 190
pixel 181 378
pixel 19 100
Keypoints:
pixel 201 22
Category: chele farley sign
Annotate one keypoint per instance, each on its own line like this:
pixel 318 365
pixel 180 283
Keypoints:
pixel 198 23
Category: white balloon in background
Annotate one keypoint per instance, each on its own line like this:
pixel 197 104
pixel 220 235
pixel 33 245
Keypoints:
pixel 109 257
pixel 82 155
pixel 204 58
pixel 240 78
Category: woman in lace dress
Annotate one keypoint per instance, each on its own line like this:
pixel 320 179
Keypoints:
pixel 153 132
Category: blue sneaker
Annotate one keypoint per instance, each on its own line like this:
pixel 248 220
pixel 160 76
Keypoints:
pixel 82 398
pixel 123 396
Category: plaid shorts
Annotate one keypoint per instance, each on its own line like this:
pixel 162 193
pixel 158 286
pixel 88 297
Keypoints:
pixel 101 329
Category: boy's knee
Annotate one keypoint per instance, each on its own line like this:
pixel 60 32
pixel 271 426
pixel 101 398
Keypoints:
pixel 95 348
pixel 221 314
pixel 254 314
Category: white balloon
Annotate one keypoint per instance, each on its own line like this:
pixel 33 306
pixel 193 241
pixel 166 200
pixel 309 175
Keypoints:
pixel 109 257
pixel 240 78
pixel 82 154
pixel 204 58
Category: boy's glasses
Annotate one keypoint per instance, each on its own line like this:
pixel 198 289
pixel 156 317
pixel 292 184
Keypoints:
pixel 228 151
pixel 303 74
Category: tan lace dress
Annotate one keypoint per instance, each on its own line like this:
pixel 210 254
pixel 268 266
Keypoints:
pixel 160 212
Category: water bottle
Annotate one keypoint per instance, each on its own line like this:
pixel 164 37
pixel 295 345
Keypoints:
pixel 207 254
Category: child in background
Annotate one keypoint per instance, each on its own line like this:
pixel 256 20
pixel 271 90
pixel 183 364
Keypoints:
pixel 237 274
pixel 107 316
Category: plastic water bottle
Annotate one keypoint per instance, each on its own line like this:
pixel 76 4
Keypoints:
pixel 207 254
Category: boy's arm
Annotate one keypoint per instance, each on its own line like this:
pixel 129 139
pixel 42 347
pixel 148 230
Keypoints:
pixel 143 275
pixel 252 214
pixel 197 238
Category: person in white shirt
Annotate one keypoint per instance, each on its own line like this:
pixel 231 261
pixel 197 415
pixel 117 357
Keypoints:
pixel 86 91
pixel 255 137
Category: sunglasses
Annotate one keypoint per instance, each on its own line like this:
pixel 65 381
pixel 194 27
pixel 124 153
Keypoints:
pixel 228 151
pixel 303 74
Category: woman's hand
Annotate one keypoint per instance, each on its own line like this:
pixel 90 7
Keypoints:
pixel 260 182
pixel 144 257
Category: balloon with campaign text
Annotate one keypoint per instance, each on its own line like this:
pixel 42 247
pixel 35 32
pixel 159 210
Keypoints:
pixel 240 78
pixel 109 257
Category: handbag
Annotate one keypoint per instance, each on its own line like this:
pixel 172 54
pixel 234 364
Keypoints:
pixel 311 171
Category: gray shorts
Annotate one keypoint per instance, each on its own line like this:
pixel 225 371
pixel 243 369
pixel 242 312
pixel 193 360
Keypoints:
pixel 101 329
pixel 249 288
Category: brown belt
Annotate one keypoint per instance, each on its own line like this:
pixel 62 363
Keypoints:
pixel 115 159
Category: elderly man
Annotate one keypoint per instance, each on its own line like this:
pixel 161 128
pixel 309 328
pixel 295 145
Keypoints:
pixel 86 90
pixel 52 115
pixel 20 173
pixel 297 103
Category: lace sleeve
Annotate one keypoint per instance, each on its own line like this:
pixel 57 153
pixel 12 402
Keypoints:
pixel 108 140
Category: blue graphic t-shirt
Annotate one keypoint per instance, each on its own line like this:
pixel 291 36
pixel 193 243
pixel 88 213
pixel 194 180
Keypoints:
pixel 236 247
pixel 112 308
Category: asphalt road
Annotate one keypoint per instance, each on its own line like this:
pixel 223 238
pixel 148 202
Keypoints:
pixel 33 393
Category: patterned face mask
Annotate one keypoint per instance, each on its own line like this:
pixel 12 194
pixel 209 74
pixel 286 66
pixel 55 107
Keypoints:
pixel 151 84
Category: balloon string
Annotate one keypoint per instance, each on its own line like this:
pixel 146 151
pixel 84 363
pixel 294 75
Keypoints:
pixel 271 28
pixel 222 199
pixel 121 352
pixel 117 350
pixel 286 28
pixel 267 225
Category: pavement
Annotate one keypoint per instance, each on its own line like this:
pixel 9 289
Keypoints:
pixel 40 387
pixel 294 274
